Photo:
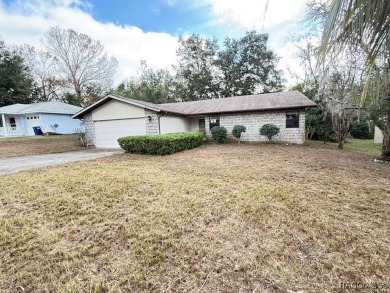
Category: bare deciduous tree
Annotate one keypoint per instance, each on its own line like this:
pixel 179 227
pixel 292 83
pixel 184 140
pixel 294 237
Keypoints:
pixel 42 67
pixel 341 88
pixel 81 59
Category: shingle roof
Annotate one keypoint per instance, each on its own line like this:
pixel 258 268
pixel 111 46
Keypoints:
pixel 54 107
pixel 260 102
pixel 12 109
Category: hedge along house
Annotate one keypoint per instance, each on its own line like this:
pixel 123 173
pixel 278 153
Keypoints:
pixel 114 116
pixel 55 117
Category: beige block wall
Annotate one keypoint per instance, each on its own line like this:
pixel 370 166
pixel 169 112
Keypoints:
pixel 152 123
pixel 89 127
pixel 254 121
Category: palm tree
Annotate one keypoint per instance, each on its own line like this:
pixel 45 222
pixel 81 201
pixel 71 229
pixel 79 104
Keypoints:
pixel 360 23
pixel 365 24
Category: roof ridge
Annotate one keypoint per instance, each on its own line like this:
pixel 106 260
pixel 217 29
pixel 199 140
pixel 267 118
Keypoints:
pixel 55 107
pixel 231 97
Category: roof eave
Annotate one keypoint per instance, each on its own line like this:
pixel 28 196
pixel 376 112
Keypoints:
pixel 80 114
pixel 167 112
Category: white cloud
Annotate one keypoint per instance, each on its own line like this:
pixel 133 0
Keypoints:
pixel 254 14
pixel 280 19
pixel 289 63
pixel 170 2
pixel 27 21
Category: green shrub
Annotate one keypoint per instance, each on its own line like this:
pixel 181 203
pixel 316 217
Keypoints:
pixel 238 130
pixel 219 134
pixel 161 144
pixel 320 129
pixel 269 130
pixel 362 131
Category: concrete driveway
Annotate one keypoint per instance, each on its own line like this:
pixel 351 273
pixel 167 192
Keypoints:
pixel 16 164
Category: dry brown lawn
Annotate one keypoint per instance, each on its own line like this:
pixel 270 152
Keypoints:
pixel 36 145
pixel 220 218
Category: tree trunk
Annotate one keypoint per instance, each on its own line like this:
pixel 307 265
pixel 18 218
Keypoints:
pixel 325 132
pixel 386 139
pixel 340 139
pixel 78 93
pixel 386 147
pixel 77 88
pixel 341 136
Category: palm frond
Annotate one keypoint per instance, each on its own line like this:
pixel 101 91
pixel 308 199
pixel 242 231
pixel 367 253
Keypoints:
pixel 360 23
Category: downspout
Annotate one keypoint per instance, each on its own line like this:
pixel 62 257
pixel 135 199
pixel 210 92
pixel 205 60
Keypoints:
pixel 158 121
pixel 4 125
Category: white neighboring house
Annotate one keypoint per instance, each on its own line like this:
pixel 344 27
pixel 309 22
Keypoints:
pixel 378 135
pixel 113 116
pixel 19 119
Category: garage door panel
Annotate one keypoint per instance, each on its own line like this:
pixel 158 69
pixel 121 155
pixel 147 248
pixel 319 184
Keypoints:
pixel 107 132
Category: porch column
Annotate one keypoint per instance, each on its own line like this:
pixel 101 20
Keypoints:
pixel 4 125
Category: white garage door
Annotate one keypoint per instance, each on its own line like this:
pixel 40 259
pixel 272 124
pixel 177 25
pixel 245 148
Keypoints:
pixel 107 132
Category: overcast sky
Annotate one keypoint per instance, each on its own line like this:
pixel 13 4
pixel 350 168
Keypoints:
pixel 132 30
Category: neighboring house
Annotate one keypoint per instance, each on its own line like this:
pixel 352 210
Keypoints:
pixel 378 135
pixel 19 119
pixel 114 116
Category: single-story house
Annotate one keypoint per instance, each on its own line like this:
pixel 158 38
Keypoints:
pixel 114 116
pixel 19 119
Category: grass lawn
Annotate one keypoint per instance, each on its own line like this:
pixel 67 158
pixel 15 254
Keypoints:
pixel 362 145
pixel 219 218
pixel 35 145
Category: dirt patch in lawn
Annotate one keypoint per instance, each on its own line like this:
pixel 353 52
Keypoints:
pixel 220 218
pixel 35 145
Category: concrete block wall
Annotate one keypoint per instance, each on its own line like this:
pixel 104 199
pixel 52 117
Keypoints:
pixel 89 129
pixel 152 125
pixel 254 121
pixel 207 126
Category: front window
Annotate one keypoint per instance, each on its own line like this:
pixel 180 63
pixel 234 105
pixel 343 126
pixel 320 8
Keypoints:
pixel 12 122
pixel 202 125
pixel 292 120
pixel 214 121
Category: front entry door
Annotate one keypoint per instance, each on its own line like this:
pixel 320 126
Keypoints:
pixel 202 125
